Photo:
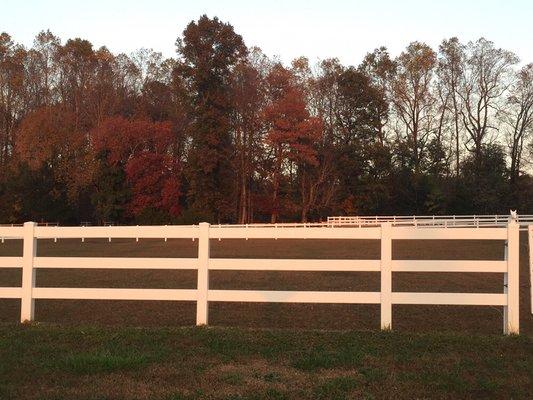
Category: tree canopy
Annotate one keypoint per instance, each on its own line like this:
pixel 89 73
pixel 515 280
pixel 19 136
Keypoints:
pixel 223 133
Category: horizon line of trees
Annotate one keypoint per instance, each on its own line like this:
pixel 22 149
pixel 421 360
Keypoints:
pixel 223 133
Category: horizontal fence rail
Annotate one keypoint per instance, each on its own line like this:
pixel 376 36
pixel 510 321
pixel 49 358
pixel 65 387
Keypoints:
pixel 431 221
pixel 385 232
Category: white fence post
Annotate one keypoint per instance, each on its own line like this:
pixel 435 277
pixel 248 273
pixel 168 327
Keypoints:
pixel 28 272
pixel 203 274
pixel 386 276
pixel 513 255
pixel 505 282
pixel 530 243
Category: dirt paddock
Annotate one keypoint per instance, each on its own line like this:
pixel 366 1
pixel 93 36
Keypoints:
pixel 413 318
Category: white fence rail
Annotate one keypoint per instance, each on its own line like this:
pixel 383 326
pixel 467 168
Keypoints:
pixel 431 221
pixel 203 263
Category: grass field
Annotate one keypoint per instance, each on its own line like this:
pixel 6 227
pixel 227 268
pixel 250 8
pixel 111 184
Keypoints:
pixel 48 362
pixel 148 350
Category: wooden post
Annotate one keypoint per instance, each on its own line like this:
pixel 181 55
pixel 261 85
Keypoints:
pixel 386 276
pixel 27 304
pixel 513 252
pixel 203 275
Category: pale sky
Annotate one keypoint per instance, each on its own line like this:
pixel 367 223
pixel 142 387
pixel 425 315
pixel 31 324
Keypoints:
pixel 317 29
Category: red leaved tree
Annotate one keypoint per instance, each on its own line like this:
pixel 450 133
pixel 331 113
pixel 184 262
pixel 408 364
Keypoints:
pixel 292 132
pixel 145 150
pixel 153 183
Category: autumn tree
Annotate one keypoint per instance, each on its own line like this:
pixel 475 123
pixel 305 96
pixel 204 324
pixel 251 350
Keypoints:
pixel 291 136
pixel 102 99
pixel 381 69
pixel 154 183
pixel 78 62
pixel 248 90
pixel 208 53
pixel 42 71
pixel 126 76
pixel 143 149
pixel 12 57
pixel 450 70
pixel 414 99
pixel 63 148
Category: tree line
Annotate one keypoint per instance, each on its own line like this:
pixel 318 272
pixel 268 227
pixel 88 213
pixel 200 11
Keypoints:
pixel 223 133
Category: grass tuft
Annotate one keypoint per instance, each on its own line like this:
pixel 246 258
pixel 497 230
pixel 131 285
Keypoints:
pixel 103 362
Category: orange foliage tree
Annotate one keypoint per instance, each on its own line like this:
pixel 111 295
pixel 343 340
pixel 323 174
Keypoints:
pixel 292 131
pixel 48 138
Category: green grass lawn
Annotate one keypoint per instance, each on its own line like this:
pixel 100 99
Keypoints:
pixel 51 362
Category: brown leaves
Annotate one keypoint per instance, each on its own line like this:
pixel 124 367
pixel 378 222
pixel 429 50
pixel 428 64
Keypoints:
pixel 292 130
pixel 49 137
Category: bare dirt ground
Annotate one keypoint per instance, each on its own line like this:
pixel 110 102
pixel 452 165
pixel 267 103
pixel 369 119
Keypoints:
pixel 339 317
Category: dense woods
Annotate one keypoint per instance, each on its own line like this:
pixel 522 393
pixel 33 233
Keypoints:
pixel 223 133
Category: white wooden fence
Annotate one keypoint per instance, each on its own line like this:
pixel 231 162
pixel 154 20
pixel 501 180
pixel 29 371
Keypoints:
pixel 431 221
pixel 202 295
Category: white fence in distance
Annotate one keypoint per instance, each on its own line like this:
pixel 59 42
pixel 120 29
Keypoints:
pixel 203 263
pixel 432 221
